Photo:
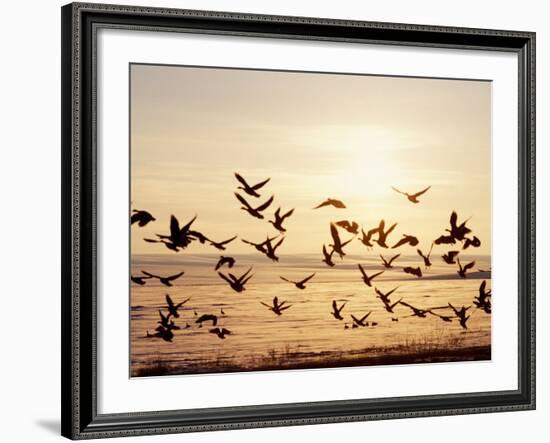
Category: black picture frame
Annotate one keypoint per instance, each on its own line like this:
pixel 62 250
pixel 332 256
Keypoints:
pixel 79 174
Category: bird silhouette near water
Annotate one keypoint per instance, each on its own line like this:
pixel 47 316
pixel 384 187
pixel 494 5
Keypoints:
pixel 388 263
pixel 254 212
pixel 277 307
pixel 299 284
pixel 237 283
pixel 366 279
pixel 142 218
pixel 336 310
pixel 229 261
pixel 166 281
pixel 279 219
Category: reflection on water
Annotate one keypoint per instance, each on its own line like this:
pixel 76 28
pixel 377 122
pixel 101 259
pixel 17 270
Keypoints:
pixel 306 334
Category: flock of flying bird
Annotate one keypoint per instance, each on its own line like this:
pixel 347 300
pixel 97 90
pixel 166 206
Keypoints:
pixel 180 237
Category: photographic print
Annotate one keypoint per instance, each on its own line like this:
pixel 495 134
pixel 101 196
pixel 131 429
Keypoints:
pixel 294 220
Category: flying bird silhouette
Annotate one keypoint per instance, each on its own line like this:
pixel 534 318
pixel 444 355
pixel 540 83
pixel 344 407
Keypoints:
pixel 413 198
pixel 366 238
pixel 366 278
pixel 449 257
pixel 414 271
pixel 383 235
pixel 254 212
pixel 410 239
pixel 336 311
pixel 417 312
pixel 250 190
pixel 445 240
pixel 270 248
pixel 482 301
pixel 220 332
pixel 351 227
pixel 221 245
pixel 461 315
pixel 327 258
pixel 237 284
pixel 426 258
pixel 277 307
pixel 207 317
pixel 229 261
pixel 463 269
pixel 299 284
pixel 279 219
pixel 166 281
pixel 475 242
pixel 142 218
pixel 337 245
pixel 165 333
pixel 360 321
pixel 331 202
pixel 173 308
pixel 388 263
pixel 458 232
pixel 178 237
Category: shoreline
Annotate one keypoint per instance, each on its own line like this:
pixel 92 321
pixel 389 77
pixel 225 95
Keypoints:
pixel 296 360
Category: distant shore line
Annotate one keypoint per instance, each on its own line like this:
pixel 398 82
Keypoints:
pixel 299 360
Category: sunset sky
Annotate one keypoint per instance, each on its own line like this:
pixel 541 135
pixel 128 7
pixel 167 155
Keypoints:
pixel 350 137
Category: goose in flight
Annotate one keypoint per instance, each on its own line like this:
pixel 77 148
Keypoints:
pixel 336 311
pixel 337 245
pixel 463 269
pixel 360 321
pixel 410 239
pixel 166 281
pixel 250 190
pixel 139 279
pixel 413 271
pixel 327 258
pixel 426 258
pixel 299 284
pixel 254 212
pixel 221 245
pixel 413 198
pixel 142 218
pixel 475 242
pixel 449 257
pixel 388 263
pixel 482 301
pixel 279 219
pixel 445 240
pixel 172 308
pixel 383 235
pixel 331 202
pixel 229 261
pixel 237 284
pixel 389 306
pixel 417 312
pixel 164 321
pixel 260 247
pixel 270 249
pixel 277 307
pixel 207 317
pixel 458 232
pixel 385 297
pixel 351 227
pixel 366 278
pixel 461 315
pixel 220 332
pixel 366 238
pixel 165 333
pixel 178 237
pixel 445 318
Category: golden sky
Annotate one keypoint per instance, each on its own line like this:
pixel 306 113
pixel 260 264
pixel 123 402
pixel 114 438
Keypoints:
pixel 349 137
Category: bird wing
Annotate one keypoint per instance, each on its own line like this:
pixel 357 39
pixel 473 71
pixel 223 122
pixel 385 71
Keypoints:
pixel 397 190
pixel 392 291
pixel 420 253
pixel 188 225
pixel 376 275
pixel 225 278
pixel 418 194
pixel 335 235
pixel 148 274
pixel 392 227
pixel 384 260
pixel 227 241
pixel 393 258
pixel 226 331
pixel 242 180
pixel 366 316
pixel 242 277
pixel 343 224
pixel 401 242
pixel 362 271
pixel 260 185
pixel 320 205
pixel 453 220
pixel 288 214
pixel 334 306
pixel 169 301
pixel 286 279
pixel 469 265
pixel 282 308
pixel 174 227
pixel 265 205
pixel 175 276
pixel 182 302
pixel 265 304
pixel 243 201
pixel 305 280
pixel 404 303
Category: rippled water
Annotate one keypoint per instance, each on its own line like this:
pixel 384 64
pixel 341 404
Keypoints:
pixel 306 334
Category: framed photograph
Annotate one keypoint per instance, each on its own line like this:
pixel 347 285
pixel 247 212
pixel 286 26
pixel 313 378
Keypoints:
pixel 273 221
